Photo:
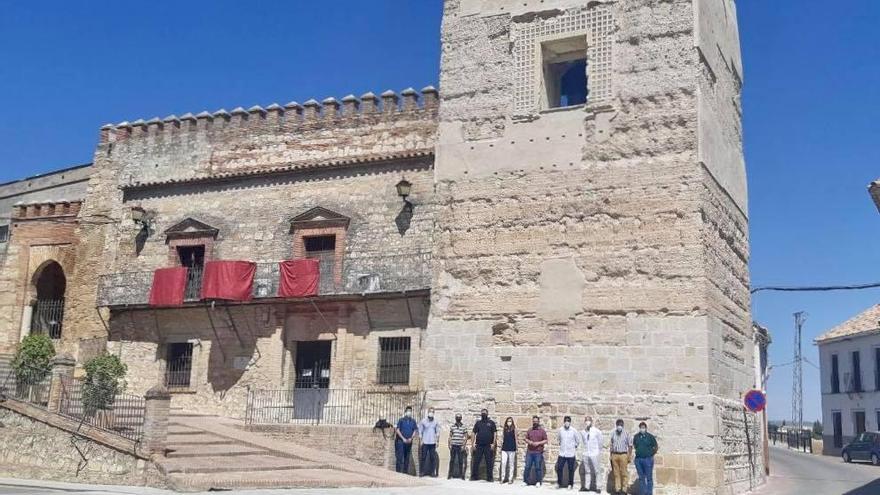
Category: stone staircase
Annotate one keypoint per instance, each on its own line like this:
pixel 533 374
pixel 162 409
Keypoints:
pixel 211 453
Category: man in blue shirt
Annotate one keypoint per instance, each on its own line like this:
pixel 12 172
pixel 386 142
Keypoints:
pixel 404 433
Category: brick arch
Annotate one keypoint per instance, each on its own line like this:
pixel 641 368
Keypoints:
pixel 41 256
pixel 49 280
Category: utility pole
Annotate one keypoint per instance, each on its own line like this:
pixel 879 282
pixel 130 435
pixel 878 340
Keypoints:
pixel 797 382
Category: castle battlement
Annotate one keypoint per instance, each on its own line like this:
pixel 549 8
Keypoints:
pixel 351 110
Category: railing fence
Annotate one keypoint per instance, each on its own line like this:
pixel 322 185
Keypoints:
pixel 122 414
pixel 798 440
pixel 315 406
pixel 29 385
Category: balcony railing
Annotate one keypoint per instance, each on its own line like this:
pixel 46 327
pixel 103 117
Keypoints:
pixel 360 275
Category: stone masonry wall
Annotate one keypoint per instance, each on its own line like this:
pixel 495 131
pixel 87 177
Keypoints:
pixel 239 348
pixel 588 260
pixel 254 171
pixel 31 449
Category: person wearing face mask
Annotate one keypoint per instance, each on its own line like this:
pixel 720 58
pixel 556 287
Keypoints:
pixel 458 438
pixel 590 467
pixel 568 439
pixel 404 433
pixel 536 439
pixel 621 455
pixel 485 432
pixel 429 432
pixel 646 447
pixel 507 469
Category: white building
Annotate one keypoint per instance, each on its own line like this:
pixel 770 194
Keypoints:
pixel 849 359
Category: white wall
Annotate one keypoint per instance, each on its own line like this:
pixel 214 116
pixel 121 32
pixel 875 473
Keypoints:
pixel 848 403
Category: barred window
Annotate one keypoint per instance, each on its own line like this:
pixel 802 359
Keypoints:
pixel 393 361
pixel 4 233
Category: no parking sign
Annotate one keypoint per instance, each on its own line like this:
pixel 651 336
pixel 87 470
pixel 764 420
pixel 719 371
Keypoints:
pixel 755 401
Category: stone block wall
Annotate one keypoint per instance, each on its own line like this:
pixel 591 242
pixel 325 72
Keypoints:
pixel 593 260
pixel 363 443
pixel 33 449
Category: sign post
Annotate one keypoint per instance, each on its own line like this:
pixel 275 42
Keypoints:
pixel 755 401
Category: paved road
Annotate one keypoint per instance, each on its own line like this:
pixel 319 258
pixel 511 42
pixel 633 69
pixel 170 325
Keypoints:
pixel 793 473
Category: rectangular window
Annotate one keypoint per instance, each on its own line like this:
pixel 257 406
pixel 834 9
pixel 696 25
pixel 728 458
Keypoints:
pixel 877 373
pixel 4 233
pixel 323 248
pixel 878 419
pixel 859 422
pixel 837 427
pixel 394 355
pixel 835 375
pixel 192 257
pixel 856 371
pixel 178 365
pixel 565 72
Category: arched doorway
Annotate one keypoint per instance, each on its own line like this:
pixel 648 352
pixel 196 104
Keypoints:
pixel 48 311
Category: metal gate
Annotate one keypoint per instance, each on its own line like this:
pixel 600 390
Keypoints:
pixel 311 386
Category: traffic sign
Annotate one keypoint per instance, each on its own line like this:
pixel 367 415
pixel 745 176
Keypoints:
pixel 755 400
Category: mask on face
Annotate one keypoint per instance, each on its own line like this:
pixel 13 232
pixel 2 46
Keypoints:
pixel 431 417
pixel 458 420
pixel 408 414
pixel 588 424
pixel 567 424
pixel 619 429
pixel 643 430
pixel 485 416
pixel 535 424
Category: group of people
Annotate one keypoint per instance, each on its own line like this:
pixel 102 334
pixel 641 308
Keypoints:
pixel 484 436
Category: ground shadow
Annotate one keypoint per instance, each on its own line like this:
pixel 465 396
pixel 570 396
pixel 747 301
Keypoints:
pixel 872 488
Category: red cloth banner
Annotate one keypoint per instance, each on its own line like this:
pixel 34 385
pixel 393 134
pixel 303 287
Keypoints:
pixel 229 280
pixel 299 278
pixel 169 286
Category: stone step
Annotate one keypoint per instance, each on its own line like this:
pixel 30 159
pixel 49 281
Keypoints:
pixel 291 478
pixel 196 439
pixel 214 450
pixel 223 464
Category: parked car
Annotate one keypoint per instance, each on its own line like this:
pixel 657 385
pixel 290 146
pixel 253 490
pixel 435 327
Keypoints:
pixel 866 447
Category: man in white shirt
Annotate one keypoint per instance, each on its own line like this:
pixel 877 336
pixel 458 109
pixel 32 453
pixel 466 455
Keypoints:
pixel 568 439
pixel 591 468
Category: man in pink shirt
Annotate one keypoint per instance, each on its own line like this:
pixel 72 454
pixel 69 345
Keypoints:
pixel 536 439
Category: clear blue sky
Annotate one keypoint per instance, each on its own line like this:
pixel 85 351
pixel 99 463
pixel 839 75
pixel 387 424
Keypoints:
pixel 811 101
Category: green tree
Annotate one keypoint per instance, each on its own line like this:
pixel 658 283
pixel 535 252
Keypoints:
pixel 105 379
pixel 818 429
pixel 32 361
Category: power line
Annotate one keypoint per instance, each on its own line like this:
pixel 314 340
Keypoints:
pixel 821 288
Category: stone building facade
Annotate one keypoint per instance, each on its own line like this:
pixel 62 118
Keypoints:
pixel 38 218
pixel 573 236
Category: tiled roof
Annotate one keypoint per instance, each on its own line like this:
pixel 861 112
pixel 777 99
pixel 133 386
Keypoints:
pixel 867 321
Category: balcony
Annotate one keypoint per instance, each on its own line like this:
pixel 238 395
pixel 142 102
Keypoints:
pixel 360 275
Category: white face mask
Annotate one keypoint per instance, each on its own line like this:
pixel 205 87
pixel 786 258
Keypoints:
pixel 567 424
pixel 588 424
pixel 643 430
pixel 407 414
pixel 619 429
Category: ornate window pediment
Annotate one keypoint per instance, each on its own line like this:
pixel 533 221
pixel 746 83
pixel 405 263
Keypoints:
pixel 191 228
pixel 317 218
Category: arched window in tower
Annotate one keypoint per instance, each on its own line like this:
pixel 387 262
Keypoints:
pixel 48 310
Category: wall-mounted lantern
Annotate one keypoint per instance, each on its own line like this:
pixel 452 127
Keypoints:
pixel 403 219
pixel 404 187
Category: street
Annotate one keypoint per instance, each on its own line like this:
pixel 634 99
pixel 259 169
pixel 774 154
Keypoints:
pixel 797 473
pixel 793 473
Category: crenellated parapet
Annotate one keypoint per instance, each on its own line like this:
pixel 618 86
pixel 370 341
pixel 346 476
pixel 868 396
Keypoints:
pixel 368 109
pixel 46 209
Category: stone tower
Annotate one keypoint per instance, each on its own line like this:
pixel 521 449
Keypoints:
pixel 591 252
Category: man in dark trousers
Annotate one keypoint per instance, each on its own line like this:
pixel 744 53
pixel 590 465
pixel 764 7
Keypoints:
pixel 404 432
pixel 646 448
pixel 485 432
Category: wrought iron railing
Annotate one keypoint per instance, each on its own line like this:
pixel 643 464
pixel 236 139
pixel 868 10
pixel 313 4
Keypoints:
pixel 178 371
pixel 27 384
pixel 394 358
pixel 193 290
pixel 48 317
pixel 360 275
pixel 121 414
pixel 313 406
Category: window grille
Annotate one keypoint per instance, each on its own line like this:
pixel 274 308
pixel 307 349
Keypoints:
pixel 178 365
pixel 48 317
pixel 4 233
pixel 394 353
